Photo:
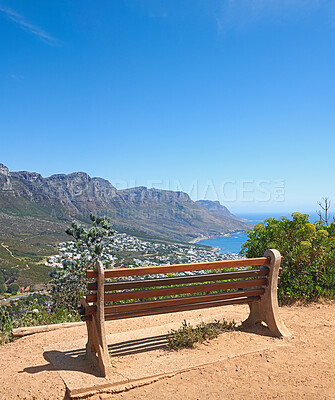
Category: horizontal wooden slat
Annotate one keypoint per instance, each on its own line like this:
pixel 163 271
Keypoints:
pixel 164 269
pixel 180 280
pixel 185 307
pixel 145 294
pixel 176 301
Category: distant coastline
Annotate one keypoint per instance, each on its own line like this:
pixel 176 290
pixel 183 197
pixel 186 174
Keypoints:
pixel 197 239
pixel 228 243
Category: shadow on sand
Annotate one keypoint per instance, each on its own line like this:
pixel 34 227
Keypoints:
pixel 75 360
pixel 72 360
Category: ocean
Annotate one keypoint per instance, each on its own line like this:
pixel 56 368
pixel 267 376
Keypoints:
pixel 232 244
pixel 226 244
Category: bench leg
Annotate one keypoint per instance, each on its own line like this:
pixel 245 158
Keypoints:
pixel 267 309
pixel 96 348
pixel 91 344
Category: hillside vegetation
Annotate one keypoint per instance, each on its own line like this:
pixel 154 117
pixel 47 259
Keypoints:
pixel 24 243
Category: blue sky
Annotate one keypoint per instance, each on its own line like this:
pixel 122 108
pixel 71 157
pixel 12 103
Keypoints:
pixel 226 100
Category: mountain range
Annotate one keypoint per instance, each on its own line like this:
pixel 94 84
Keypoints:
pixel 61 198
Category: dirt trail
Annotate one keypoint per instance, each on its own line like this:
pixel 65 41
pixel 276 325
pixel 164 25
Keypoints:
pixel 6 248
pixel 9 251
pixel 302 370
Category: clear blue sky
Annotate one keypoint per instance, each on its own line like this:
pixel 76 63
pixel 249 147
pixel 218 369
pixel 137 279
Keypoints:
pixel 228 100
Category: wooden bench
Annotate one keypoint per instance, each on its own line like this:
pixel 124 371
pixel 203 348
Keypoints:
pixel 128 298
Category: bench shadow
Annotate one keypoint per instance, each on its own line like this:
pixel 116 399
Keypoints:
pixel 75 360
pixel 160 342
pixel 137 346
pixel 72 360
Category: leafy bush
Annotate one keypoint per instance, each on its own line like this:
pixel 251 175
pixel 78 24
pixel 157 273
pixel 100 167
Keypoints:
pixel 308 252
pixel 30 312
pixel 68 283
pixel 6 325
pixel 187 335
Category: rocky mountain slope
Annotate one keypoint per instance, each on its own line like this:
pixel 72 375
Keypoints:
pixel 217 208
pixel 162 213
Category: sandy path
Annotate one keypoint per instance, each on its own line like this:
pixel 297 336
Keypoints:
pixel 303 370
pixel 9 251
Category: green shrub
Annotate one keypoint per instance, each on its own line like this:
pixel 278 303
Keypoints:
pixel 6 325
pixel 30 312
pixel 308 252
pixel 187 335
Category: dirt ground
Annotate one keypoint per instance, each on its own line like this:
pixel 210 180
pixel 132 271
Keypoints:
pixel 302 369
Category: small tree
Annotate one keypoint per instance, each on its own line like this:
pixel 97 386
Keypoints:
pixel 324 212
pixel 13 288
pixel 90 242
pixel 2 288
pixel 68 283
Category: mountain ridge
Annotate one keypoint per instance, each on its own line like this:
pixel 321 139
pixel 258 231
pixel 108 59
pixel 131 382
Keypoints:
pixel 163 213
pixel 217 208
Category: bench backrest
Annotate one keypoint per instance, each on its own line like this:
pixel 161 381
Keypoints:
pixel 192 286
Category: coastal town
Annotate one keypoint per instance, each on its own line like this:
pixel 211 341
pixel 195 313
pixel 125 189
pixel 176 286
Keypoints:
pixel 128 251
